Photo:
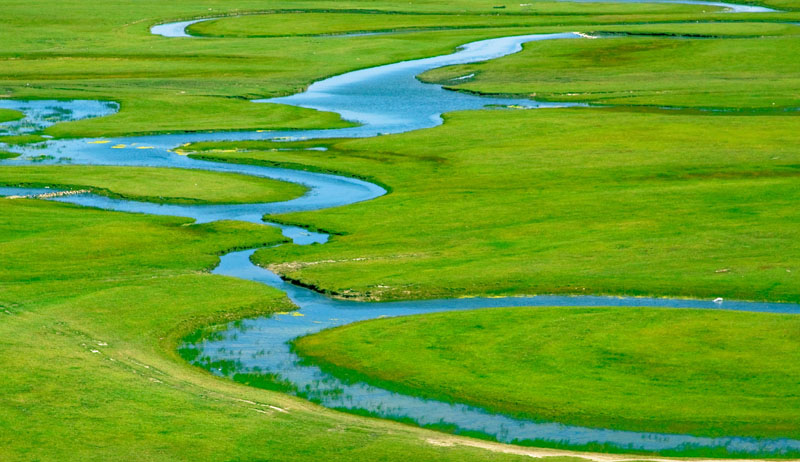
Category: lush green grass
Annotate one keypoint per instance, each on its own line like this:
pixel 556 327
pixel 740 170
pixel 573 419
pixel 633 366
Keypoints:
pixel 103 50
pixel 584 207
pixel 93 304
pixel 8 155
pixel 155 184
pixel 279 24
pixel 21 139
pixel 560 201
pixel 702 372
pixel 717 73
pixel 7 115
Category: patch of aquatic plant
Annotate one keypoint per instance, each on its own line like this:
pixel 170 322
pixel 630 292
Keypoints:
pixel 40 158
pixel 265 381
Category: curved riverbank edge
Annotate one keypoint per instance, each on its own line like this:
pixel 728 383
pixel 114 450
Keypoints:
pixel 417 355
pixel 238 352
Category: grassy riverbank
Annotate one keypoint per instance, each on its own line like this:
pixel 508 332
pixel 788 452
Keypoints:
pixel 702 373
pixel 299 23
pixel 559 201
pixel 93 304
pixel 104 51
pixel 154 184
pixel 709 73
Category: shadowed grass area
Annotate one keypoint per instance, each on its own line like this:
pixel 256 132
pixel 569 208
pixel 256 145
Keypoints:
pixel 559 201
pixel 703 373
pixel 155 184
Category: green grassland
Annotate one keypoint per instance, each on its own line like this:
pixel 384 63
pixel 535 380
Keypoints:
pixel 718 73
pixel 93 305
pixel 308 23
pixel 103 51
pixel 702 372
pixel 7 115
pixel 155 184
pixel 558 201
pixel 611 200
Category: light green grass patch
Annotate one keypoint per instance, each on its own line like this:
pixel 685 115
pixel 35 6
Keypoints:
pixel 155 184
pixel 93 305
pixel 560 201
pixel 705 73
pixel 660 370
pixel 301 23
pixel 7 115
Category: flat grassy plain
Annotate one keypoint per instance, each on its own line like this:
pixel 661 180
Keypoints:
pixel 95 303
pixel 707 73
pixel 332 22
pixel 154 184
pixel 104 51
pixel 558 201
pixel 702 372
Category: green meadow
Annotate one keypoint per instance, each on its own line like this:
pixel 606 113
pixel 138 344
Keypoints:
pixel 703 373
pixel 643 71
pixel 93 305
pixel 682 182
pixel 558 201
pixel 154 184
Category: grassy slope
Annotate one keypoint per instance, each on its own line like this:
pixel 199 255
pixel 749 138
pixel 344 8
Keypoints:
pixel 155 184
pixel 93 304
pixel 647 71
pixel 702 373
pixel 561 201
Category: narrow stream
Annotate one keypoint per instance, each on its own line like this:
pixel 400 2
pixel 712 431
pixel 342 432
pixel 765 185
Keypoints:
pixel 384 99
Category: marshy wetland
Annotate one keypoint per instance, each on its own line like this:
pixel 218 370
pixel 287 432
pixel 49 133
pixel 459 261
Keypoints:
pixel 528 164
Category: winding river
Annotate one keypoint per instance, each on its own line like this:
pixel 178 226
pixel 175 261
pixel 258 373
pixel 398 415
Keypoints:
pixel 384 99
